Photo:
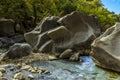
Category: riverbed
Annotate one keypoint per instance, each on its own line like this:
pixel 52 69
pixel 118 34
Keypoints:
pixel 67 70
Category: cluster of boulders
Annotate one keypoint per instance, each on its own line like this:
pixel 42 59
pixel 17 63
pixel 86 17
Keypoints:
pixel 66 37
pixel 56 34
pixel 8 35
pixel 74 31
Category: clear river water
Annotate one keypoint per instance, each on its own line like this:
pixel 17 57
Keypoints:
pixel 67 70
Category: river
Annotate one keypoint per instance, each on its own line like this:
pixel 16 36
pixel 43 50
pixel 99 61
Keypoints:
pixel 66 70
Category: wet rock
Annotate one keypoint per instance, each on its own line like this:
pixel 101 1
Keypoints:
pixel 19 76
pixel 7 27
pixel 36 70
pixel 2 70
pixel 12 68
pixel 26 67
pixel 18 65
pixel 31 76
pixel 66 54
pixel 52 57
pixel 3 78
pixel 1 74
pixel 75 57
pixel 18 50
pixel 106 49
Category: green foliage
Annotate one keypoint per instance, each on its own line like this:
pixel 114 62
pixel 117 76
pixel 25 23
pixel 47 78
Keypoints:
pixel 106 18
pixel 20 10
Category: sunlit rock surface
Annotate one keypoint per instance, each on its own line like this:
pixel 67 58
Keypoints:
pixel 106 49
pixel 69 31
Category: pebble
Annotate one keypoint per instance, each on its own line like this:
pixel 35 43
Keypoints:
pixel 18 76
pixel 12 68
pixel 18 65
pixel 31 76
pixel 3 78
pixel 26 67
pixel 1 74
pixel 2 70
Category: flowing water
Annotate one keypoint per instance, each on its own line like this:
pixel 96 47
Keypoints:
pixel 66 70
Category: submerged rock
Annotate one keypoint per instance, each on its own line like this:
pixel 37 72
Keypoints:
pixel 106 49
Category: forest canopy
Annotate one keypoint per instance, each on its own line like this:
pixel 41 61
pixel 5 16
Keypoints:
pixel 21 10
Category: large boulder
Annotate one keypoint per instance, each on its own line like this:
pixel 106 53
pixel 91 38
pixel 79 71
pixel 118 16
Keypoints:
pixel 18 50
pixel 47 47
pixel 7 27
pixel 47 24
pixel 73 31
pixel 79 22
pixel 38 37
pixel 82 29
pixel 58 33
pixel 60 36
pixel 106 49
pixel 32 37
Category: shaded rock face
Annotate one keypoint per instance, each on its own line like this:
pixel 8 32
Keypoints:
pixel 66 54
pixel 75 29
pixel 7 27
pixel 38 36
pixel 8 41
pixel 83 30
pixel 106 49
pixel 18 50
